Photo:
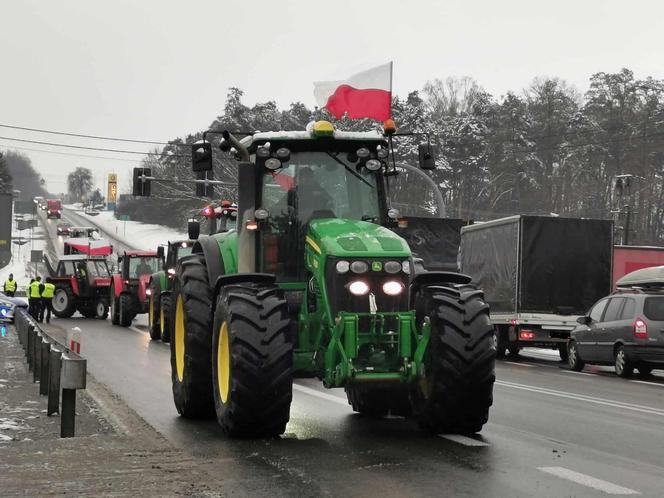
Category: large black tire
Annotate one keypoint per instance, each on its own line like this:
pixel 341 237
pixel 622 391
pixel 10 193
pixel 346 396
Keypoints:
pixel 125 315
pixel 563 352
pixel 573 359
pixel 252 360
pixel 165 317
pixel 457 390
pixel 153 313
pixel 115 307
pixel 63 302
pixel 623 366
pixel 378 402
pixel 191 358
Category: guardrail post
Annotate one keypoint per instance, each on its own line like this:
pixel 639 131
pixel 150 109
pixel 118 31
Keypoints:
pixel 44 372
pixel 54 367
pixel 36 356
pixel 28 350
pixel 73 377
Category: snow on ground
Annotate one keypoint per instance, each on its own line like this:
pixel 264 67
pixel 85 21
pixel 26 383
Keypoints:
pixel 144 236
pixel 20 263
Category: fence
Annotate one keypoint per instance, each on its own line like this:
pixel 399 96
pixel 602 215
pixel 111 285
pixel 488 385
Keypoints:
pixel 59 371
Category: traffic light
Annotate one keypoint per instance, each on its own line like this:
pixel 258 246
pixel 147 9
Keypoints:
pixel 201 156
pixel 141 187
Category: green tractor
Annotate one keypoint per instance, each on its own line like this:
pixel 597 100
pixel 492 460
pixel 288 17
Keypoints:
pixel 313 283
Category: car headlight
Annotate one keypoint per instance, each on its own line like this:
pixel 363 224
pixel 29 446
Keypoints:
pixel 358 288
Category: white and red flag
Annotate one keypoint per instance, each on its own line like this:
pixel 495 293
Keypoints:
pixel 364 95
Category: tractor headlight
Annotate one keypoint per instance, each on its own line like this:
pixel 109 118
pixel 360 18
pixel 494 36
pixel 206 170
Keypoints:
pixel 363 153
pixel 359 267
pixel 273 164
pixel 283 154
pixel 148 292
pixel 171 271
pixel 358 288
pixel 392 267
pixel 342 266
pixel 261 214
pixel 373 164
pixel 405 266
pixel 392 288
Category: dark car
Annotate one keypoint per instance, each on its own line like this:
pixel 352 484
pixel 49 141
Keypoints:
pixel 63 228
pixel 625 329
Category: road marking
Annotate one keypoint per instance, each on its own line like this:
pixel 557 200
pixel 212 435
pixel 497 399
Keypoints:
pixel 648 383
pixel 465 440
pixel 519 364
pixel 137 330
pixel 588 481
pixel 579 373
pixel 318 394
pixel 582 397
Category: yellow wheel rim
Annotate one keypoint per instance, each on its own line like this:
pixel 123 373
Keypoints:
pixel 179 338
pixel 223 363
pixel 151 312
pixel 161 319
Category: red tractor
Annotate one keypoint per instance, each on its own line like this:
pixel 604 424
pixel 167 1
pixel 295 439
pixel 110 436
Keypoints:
pixel 128 288
pixel 81 284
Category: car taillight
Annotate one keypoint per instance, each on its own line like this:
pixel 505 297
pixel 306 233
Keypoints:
pixel 640 329
pixel 526 335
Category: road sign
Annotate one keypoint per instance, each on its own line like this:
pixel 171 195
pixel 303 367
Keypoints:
pixel 36 256
pixel 112 195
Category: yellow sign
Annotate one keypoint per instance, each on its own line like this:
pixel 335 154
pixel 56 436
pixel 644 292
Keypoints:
pixel 112 187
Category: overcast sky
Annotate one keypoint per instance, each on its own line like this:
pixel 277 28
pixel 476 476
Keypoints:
pixel 159 69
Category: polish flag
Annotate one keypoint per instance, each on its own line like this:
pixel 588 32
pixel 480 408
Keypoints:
pixel 364 95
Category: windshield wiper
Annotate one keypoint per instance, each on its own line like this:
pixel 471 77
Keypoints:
pixel 354 173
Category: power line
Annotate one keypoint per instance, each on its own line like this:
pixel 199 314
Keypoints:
pixel 54 144
pixel 12 147
pixel 81 135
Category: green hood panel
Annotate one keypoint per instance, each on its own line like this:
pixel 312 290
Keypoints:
pixel 353 238
pixel 227 242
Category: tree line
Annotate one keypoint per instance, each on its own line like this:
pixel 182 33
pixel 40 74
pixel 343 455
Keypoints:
pixel 547 149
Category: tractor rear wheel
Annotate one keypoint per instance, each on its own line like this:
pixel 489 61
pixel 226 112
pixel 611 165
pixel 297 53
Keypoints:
pixel 165 317
pixel 153 314
pixel 252 360
pixel 191 361
pixel 124 314
pixel 457 390
pixel 63 302
pixel 101 309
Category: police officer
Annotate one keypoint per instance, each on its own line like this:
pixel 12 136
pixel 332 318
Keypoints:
pixel 34 294
pixel 46 297
pixel 10 286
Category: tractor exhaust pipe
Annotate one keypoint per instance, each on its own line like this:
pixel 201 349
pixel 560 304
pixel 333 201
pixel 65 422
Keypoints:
pixel 231 141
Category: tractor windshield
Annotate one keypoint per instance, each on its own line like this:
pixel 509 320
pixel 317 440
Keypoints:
pixel 312 185
pixel 98 269
pixel 143 266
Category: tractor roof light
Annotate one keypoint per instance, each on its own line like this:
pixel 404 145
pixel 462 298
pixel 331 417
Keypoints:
pixel 273 164
pixel 382 153
pixel 148 292
pixel 393 288
pixel 283 154
pixel 184 244
pixel 261 214
pixel 373 164
pixel 358 288
pixel 393 213
pixel 389 127
pixel 171 271
pixel 363 153
pixel 263 152
pixel 323 129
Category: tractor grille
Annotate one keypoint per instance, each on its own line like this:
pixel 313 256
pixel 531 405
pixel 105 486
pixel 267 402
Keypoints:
pixel 342 300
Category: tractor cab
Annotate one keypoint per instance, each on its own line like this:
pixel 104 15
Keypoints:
pixel 129 296
pixel 176 250
pixel 222 217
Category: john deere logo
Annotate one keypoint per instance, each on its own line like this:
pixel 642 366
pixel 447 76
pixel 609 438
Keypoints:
pixel 376 266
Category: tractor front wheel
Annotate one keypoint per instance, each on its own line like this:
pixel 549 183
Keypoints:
pixel 63 302
pixel 153 315
pixel 457 389
pixel 165 317
pixel 115 307
pixel 191 361
pixel 125 315
pixel 252 360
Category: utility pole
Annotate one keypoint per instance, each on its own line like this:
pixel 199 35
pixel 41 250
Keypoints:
pixel 623 187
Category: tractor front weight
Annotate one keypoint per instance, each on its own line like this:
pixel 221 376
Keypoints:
pixel 370 347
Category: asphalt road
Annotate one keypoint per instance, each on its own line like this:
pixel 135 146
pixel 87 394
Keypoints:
pixel 552 432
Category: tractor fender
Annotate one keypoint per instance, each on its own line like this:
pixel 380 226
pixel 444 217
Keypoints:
pixel 256 278
pixel 118 286
pixel 437 277
pixel 213 259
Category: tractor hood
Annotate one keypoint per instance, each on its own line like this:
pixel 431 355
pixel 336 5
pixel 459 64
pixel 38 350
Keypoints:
pixel 353 238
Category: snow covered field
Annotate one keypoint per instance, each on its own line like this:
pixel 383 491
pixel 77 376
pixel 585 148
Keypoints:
pixel 132 233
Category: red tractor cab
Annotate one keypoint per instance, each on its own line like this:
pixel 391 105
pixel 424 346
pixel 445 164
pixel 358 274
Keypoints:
pixel 128 288
pixel 81 284
pixel 222 217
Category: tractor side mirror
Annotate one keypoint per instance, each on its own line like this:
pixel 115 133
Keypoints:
pixel 160 252
pixel 426 157
pixel 193 229
pixel 141 184
pixel 201 156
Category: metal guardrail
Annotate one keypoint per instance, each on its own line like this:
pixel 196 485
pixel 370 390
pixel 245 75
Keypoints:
pixel 55 367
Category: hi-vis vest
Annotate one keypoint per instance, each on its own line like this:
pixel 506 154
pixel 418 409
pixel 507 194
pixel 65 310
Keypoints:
pixel 49 290
pixel 34 289
pixel 10 285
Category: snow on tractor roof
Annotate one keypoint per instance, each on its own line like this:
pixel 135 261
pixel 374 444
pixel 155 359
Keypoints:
pixel 81 257
pixel 311 134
